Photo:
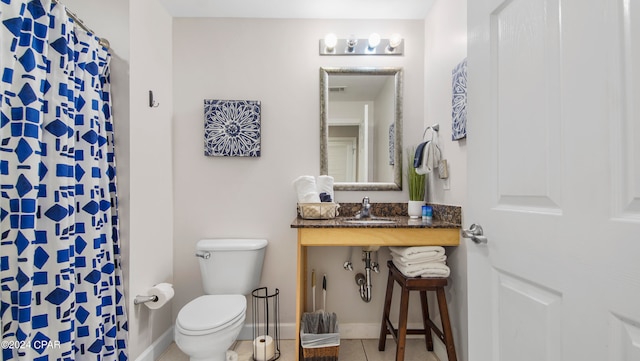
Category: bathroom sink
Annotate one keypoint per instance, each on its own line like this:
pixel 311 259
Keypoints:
pixel 373 220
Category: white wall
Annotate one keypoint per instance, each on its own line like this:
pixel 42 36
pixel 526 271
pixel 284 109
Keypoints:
pixel 151 203
pixel 140 43
pixel 276 62
pixel 445 47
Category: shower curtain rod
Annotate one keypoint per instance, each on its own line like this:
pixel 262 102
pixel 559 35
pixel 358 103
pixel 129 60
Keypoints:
pixel 104 42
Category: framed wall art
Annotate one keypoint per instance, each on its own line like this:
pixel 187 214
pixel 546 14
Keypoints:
pixel 232 128
pixel 459 101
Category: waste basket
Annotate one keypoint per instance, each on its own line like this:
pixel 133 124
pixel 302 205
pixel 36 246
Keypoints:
pixel 319 336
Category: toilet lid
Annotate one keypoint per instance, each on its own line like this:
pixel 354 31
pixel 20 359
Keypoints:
pixel 208 313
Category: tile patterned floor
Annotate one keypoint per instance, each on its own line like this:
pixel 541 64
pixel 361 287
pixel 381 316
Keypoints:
pixel 350 350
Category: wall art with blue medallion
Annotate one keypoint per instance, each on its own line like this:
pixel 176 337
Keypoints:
pixel 232 128
pixel 459 101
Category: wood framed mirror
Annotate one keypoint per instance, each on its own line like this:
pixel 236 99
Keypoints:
pixel 361 127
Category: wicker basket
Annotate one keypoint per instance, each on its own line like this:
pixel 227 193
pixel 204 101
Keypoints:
pixel 323 210
pixel 329 353
pixel 322 346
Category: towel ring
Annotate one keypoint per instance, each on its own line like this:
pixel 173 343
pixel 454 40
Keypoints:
pixel 434 128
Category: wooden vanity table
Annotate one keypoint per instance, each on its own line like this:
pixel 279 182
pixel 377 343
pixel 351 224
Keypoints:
pixel 336 232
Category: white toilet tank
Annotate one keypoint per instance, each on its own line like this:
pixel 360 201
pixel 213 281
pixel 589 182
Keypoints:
pixel 230 266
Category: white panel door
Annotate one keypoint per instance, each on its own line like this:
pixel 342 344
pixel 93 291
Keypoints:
pixel 342 158
pixel 554 179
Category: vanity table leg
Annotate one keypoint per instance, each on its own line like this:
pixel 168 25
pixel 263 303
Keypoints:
pixel 301 294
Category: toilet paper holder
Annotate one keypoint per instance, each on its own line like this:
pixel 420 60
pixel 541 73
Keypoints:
pixel 144 299
pixel 156 296
pixel 266 324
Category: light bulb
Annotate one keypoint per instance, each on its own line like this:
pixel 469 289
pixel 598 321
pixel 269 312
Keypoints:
pixel 330 41
pixel 374 40
pixel 395 41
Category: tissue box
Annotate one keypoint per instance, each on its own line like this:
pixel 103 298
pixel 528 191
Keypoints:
pixel 323 210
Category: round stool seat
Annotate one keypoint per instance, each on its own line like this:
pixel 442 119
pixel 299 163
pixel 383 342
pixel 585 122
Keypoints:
pixel 210 313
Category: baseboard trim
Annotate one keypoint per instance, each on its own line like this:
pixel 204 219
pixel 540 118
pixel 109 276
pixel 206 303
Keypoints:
pixel 287 332
pixel 347 331
pixel 158 347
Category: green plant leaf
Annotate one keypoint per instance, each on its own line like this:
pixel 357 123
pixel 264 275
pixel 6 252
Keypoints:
pixel 416 181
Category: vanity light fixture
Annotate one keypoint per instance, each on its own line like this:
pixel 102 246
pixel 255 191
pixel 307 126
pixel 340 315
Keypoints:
pixel 374 45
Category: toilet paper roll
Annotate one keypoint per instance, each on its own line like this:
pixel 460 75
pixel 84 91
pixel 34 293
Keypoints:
pixel 164 291
pixel 263 348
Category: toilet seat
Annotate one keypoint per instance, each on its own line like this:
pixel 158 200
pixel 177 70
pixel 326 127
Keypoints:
pixel 210 313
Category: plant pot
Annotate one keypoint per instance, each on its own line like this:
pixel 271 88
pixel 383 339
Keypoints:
pixel 415 209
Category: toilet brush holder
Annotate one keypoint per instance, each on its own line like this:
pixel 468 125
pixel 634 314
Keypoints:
pixel 266 324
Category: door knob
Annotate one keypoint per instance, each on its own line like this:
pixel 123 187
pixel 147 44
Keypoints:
pixel 475 233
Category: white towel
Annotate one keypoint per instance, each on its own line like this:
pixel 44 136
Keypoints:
pixel 324 184
pixel 421 257
pixel 311 197
pixel 425 270
pixel 430 158
pixel 305 187
pixel 416 262
pixel 418 251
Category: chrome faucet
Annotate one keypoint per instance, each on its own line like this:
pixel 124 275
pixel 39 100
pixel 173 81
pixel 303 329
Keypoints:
pixel 366 208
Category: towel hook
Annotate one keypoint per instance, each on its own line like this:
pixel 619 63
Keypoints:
pixel 152 102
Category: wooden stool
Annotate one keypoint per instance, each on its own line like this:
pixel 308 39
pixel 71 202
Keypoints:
pixel 423 285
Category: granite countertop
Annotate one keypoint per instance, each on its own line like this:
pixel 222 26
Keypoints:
pixel 444 216
pixel 399 222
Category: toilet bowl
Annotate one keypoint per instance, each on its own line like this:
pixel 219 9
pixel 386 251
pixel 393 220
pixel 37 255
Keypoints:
pixel 230 268
pixel 207 326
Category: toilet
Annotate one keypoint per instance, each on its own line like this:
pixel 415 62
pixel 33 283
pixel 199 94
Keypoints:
pixel 231 268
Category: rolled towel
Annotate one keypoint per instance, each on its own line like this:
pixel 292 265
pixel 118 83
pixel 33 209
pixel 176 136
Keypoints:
pixel 311 197
pixel 324 184
pixel 409 263
pixel 418 251
pixel 305 187
pixel 426 270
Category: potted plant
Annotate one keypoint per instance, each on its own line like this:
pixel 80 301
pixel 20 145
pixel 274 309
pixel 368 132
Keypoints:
pixel 416 189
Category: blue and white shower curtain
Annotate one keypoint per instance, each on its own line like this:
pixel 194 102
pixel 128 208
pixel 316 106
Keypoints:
pixel 61 284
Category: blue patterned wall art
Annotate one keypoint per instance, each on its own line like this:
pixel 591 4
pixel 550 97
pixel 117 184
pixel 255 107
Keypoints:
pixel 232 128
pixel 61 280
pixel 459 101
